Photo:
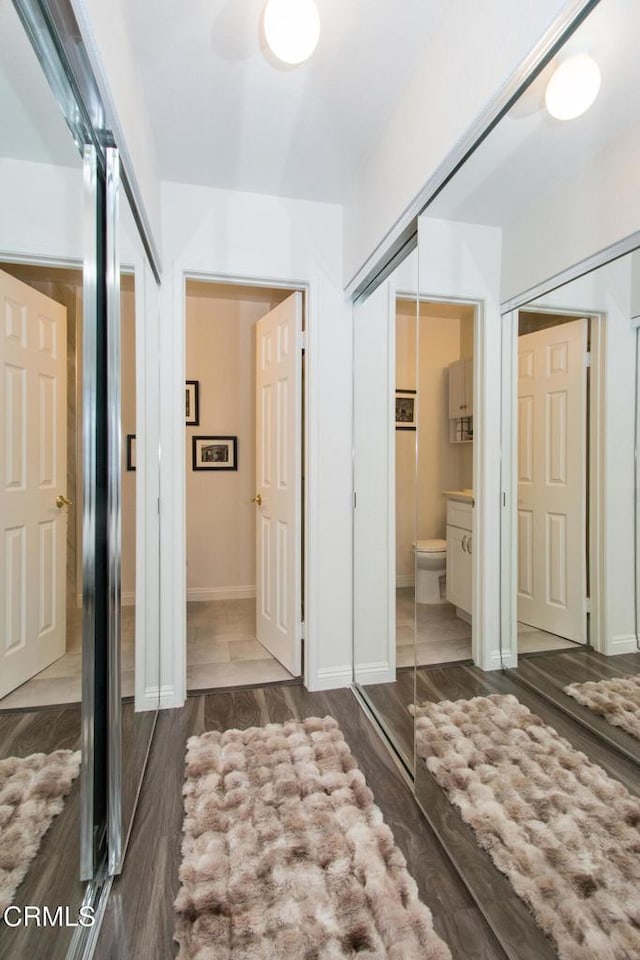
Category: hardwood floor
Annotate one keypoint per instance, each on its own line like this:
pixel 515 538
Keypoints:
pixel 52 878
pixel 548 675
pixel 140 917
pixel 507 914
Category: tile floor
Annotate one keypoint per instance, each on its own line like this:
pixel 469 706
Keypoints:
pixel 222 650
pixel 442 637
pixel 61 682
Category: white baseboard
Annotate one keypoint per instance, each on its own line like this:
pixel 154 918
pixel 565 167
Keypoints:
pixel 405 580
pixel 162 697
pixel 463 615
pixel 332 678
pixel 203 594
pixel 496 660
pixel 368 673
pixel 622 643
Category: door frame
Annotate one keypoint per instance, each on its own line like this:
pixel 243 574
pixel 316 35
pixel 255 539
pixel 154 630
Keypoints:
pixel 596 634
pixel 303 468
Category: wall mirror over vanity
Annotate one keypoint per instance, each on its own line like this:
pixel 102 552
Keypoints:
pixel 79 676
pixel 495 547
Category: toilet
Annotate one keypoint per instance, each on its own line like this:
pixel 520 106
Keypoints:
pixel 431 564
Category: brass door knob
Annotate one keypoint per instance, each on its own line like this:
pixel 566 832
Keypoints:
pixel 257 499
pixel 62 502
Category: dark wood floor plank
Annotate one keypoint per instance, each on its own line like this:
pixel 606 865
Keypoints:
pixel 52 878
pixel 391 702
pixel 550 681
pixel 140 917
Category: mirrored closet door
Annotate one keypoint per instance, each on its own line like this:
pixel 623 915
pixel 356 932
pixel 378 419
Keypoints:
pixel 47 244
pixel 537 234
pixel 386 408
pixel 79 555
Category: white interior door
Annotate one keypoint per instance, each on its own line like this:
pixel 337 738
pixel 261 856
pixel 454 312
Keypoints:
pixel 278 482
pixel 33 471
pixel 552 434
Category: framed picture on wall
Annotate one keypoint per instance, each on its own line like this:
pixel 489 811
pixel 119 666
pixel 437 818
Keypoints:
pixel 215 453
pixel 131 451
pixel 406 409
pixel 192 403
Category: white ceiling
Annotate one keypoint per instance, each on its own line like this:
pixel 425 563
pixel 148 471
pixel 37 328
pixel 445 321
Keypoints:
pixel 529 150
pixel 225 113
pixel 32 127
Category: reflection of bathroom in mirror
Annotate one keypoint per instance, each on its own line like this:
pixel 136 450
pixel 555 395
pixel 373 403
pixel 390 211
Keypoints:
pixel 443 546
pixel 386 424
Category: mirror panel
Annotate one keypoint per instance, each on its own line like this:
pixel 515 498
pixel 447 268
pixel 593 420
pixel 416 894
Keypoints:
pixel 42 247
pixel 549 196
pixel 139 595
pixel 539 229
pixel 385 435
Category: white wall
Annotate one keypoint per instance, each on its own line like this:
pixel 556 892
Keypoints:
pixel 104 31
pixel 594 206
pixel 451 87
pixel 221 520
pixel 41 210
pixel 231 234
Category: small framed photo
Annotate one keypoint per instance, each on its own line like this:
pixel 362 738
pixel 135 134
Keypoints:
pixel 406 409
pixel 192 403
pixel 131 451
pixel 215 453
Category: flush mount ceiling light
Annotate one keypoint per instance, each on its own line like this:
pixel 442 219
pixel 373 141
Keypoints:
pixel 292 29
pixel 573 87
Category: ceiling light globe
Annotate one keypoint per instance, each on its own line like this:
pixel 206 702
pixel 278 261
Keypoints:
pixel 292 29
pixel 573 87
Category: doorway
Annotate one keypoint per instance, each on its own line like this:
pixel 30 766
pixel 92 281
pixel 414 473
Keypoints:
pixel 244 483
pixel 434 481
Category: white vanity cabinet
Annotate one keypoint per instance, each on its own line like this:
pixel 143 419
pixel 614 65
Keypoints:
pixel 459 554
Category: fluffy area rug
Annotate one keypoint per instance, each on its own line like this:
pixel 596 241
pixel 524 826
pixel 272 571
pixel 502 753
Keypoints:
pixel 285 854
pixel 32 792
pixel 566 835
pixel 618 701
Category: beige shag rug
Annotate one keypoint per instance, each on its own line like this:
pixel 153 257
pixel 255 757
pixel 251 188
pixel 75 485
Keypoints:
pixel 32 792
pixel 618 701
pixel 565 834
pixel 285 854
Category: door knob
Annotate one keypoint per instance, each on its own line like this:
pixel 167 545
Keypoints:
pixel 62 502
pixel 257 499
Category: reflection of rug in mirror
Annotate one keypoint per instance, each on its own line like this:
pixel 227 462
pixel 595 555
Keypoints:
pixel 32 792
pixel 618 700
pixel 286 855
pixel 566 835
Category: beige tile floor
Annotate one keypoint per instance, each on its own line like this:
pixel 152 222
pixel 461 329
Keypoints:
pixel 222 650
pixel 62 681
pixel 442 637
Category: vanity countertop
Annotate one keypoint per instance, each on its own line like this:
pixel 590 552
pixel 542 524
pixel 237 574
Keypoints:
pixel 464 496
